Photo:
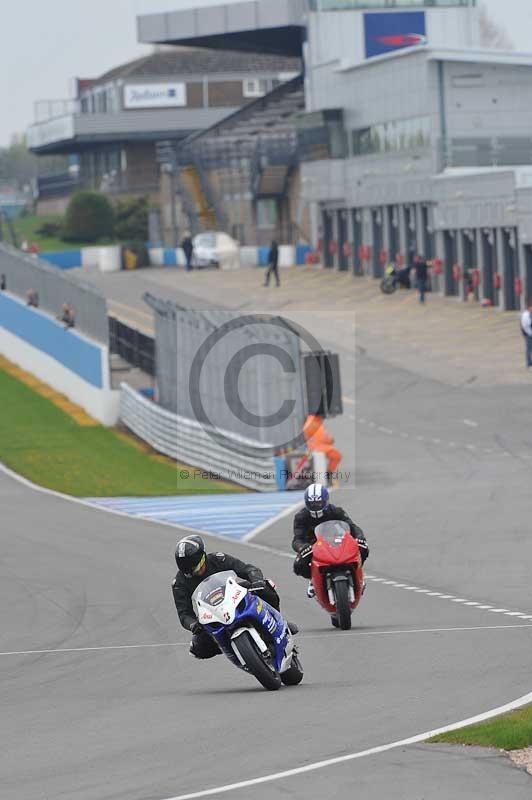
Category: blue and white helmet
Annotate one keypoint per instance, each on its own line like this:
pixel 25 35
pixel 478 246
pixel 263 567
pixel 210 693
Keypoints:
pixel 316 500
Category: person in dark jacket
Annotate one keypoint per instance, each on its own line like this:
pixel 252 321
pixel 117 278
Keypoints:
pixel 194 566
pixel 422 276
pixel 188 249
pixel 273 264
pixel 318 509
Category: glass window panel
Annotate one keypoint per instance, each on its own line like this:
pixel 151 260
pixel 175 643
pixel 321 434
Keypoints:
pixel 338 5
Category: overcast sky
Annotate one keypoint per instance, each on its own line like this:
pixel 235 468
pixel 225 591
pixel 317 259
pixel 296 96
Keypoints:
pixel 44 43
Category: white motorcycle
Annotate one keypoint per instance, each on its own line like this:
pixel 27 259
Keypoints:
pixel 253 635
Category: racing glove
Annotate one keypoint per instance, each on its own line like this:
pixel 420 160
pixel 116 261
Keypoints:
pixel 196 628
pixel 363 545
pixel 305 553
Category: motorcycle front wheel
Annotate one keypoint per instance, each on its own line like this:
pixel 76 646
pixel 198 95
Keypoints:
pixel 255 662
pixel 343 609
pixel 388 286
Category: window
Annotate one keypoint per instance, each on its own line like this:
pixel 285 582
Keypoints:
pixel 267 214
pixel 338 5
pixel 256 87
pixel 392 137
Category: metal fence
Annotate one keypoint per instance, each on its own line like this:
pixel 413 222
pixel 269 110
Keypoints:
pixel 248 463
pixel 231 363
pixel 135 347
pixel 24 272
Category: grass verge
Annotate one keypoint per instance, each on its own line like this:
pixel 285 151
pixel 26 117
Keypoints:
pixel 511 732
pixel 47 446
pixel 26 229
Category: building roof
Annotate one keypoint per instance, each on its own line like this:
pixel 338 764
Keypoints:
pixel 260 26
pixel 469 55
pixel 184 61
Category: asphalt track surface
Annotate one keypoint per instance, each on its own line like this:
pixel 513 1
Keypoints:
pixel 120 710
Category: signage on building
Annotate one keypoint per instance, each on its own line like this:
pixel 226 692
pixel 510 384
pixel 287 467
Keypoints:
pixel 387 32
pixel 155 95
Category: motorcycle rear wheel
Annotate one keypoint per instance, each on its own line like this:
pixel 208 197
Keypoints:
pixel 388 286
pixel 294 675
pixel 343 609
pixel 256 664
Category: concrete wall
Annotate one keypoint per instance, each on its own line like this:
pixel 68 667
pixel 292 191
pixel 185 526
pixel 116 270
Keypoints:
pixel 488 99
pixel 64 359
pixel 336 41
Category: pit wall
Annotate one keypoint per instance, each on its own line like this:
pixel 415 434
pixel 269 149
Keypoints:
pixel 108 259
pixel 289 256
pixel 63 358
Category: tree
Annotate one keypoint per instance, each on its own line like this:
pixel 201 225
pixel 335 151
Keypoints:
pixel 492 35
pixel 131 219
pixel 19 166
pixel 89 217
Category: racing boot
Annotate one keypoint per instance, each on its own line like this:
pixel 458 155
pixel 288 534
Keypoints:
pixel 311 591
pixel 293 628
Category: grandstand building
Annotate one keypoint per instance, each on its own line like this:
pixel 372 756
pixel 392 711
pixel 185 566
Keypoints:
pixel 413 137
pixel 112 125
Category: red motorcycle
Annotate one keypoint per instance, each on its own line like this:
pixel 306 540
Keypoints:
pixel 336 572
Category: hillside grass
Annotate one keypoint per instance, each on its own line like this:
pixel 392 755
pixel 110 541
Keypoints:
pixel 509 732
pixel 47 446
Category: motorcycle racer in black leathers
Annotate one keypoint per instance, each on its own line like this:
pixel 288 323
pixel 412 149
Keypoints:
pixel 318 509
pixel 194 566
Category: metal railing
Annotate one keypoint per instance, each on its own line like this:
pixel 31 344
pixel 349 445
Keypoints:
pixel 250 463
pixel 45 110
pixel 23 272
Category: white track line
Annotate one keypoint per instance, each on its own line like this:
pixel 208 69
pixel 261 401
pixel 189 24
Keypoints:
pixel 282 514
pixel 354 634
pixel 330 762
pixel 302 637
pixel 440 596
pixel 97 649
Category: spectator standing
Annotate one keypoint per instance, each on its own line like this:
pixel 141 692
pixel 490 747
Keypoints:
pixel 422 273
pixel 188 248
pixel 273 264
pixel 526 329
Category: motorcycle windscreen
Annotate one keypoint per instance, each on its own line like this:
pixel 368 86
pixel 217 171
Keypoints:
pixel 212 590
pixel 332 532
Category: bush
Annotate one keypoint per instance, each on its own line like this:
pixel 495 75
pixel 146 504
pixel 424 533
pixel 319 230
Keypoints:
pixel 131 219
pixel 89 217
pixel 50 229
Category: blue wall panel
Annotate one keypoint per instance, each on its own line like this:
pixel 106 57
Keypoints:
pixel 169 257
pixel 301 252
pixel 264 252
pixel 65 346
pixel 64 259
